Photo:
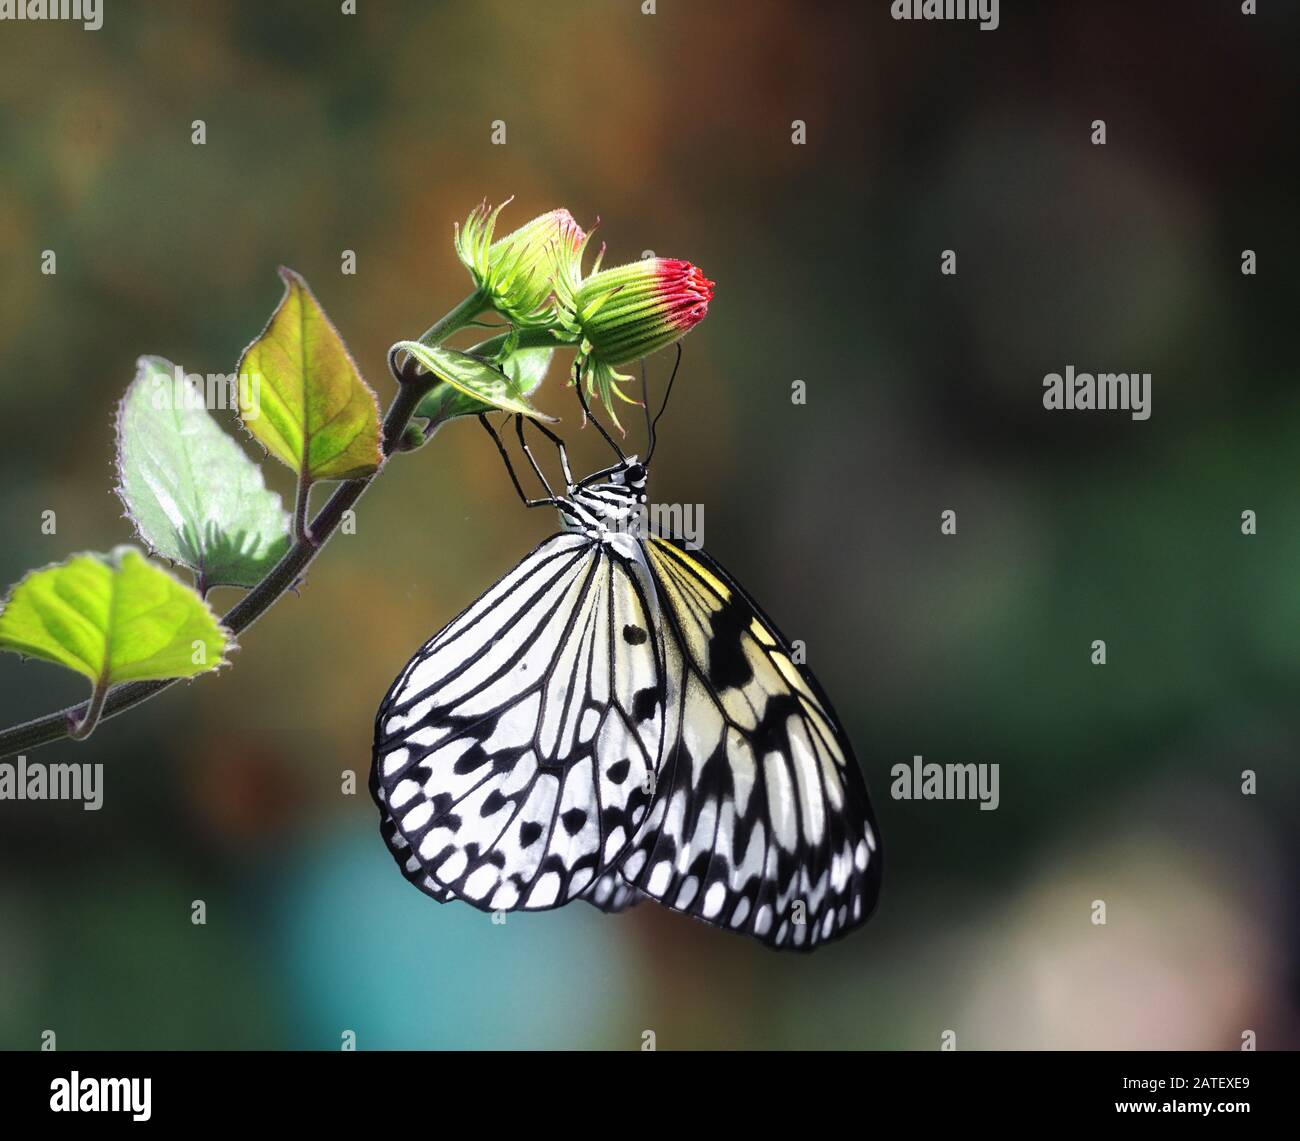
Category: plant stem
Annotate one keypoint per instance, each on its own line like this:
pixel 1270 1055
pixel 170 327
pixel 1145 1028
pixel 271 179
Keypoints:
pixel 457 319
pixel 412 387
pixel 82 727
pixel 300 506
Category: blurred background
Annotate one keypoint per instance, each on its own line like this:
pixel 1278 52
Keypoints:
pixel 371 133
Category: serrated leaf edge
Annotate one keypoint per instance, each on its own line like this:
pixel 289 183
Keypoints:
pixel 232 643
pixel 288 277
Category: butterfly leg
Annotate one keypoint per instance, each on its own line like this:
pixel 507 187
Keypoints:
pixel 559 447
pixel 523 443
pixel 550 501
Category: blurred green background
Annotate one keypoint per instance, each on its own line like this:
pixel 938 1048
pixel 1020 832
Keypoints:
pixel 370 133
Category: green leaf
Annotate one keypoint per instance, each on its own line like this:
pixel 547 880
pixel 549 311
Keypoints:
pixel 113 618
pixel 193 494
pixel 470 386
pixel 301 395
pixel 528 367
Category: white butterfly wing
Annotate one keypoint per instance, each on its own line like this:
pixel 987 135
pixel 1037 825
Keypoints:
pixel 761 822
pixel 610 892
pixel 515 752
pixel 400 850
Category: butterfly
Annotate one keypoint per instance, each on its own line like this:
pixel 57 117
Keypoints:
pixel 617 719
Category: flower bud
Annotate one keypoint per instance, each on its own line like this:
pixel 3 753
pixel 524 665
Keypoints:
pixel 630 311
pixel 522 274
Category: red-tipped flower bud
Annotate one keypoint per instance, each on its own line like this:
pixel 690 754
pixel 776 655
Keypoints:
pixel 631 311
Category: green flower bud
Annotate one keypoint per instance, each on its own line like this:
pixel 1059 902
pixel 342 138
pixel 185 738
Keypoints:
pixel 524 275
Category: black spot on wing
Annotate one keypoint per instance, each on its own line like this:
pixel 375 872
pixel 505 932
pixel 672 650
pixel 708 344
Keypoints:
pixel 473 758
pixel 771 735
pixel 728 665
pixel 634 635
pixel 646 702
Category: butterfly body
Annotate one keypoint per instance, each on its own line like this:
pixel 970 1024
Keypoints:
pixel 617 719
pixel 608 511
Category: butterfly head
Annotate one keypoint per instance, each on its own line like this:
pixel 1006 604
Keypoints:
pixel 631 474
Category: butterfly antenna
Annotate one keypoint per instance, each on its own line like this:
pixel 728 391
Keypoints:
pixel 577 384
pixel 645 404
pixel 667 393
